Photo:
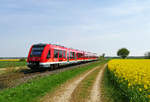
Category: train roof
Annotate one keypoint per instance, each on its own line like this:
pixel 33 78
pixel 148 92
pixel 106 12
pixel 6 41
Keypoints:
pixel 62 47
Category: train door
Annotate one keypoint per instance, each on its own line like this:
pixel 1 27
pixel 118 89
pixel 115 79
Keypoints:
pixel 48 55
pixel 64 55
pixel 56 55
pixel 60 55
pixel 75 56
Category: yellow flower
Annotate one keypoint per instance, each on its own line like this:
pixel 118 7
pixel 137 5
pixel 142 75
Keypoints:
pixel 134 71
pixel 148 96
pixel 140 89
pixel 145 86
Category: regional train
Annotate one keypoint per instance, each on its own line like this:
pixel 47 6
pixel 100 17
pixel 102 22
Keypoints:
pixel 51 56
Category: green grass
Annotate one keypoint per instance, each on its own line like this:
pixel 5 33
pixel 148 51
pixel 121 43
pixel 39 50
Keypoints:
pixel 111 92
pixel 5 64
pixel 34 89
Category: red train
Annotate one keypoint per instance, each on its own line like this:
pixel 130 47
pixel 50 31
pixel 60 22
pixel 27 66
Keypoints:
pixel 50 56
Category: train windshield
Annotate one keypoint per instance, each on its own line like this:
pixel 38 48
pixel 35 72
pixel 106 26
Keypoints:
pixel 37 51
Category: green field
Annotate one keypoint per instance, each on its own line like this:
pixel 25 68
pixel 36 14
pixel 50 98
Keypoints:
pixel 35 89
pixel 5 64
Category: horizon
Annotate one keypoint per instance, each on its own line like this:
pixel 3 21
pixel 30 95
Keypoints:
pixel 94 26
pixel 98 55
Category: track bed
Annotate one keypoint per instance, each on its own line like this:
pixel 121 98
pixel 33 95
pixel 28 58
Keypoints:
pixel 13 79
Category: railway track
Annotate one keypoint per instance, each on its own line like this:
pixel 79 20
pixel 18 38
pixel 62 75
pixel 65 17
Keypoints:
pixel 11 80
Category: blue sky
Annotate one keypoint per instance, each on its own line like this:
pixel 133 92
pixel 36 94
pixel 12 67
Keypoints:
pixel 101 26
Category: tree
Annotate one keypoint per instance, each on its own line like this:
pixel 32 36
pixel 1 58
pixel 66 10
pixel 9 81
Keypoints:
pixel 22 59
pixel 102 57
pixel 147 55
pixel 123 53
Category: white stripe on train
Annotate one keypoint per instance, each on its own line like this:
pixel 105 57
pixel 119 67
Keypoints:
pixel 48 64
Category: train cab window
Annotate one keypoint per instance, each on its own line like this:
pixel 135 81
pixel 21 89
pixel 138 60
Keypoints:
pixel 55 53
pixel 60 54
pixel 49 54
pixel 64 54
pixel 37 51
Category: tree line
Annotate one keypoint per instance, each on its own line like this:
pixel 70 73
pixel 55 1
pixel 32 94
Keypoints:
pixel 124 53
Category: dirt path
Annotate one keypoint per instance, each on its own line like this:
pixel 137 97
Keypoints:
pixel 64 93
pixel 95 92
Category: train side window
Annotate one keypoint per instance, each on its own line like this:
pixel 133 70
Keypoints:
pixel 49 54
pixel 67 54
pixel 71 56
pixel 60 54
pixel 64 54
pixel 55 53
pixel 79 55
pixel 73 53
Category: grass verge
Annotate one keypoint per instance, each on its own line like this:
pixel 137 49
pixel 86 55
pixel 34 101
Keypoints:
pixel 6 64
pixel 82 92
pixel 110 92
pixel 34 89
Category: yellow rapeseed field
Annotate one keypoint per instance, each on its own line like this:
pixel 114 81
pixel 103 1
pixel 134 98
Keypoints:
pixel 133 76
pixel 9 59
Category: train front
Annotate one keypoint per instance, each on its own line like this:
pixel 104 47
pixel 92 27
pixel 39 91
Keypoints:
pixel 35 56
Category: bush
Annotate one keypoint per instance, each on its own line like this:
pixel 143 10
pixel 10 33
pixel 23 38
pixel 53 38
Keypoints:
pixel 22 59
pixel 147 55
